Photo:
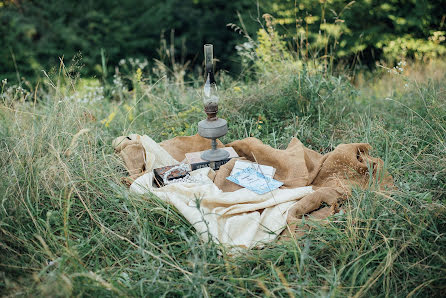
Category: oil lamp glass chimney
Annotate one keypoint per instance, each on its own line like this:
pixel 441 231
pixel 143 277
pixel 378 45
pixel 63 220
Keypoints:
pixel 210 94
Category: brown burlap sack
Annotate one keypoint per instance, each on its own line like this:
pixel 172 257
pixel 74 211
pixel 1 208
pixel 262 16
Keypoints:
pixel 132 154
pixel 332 175
pixel 179 146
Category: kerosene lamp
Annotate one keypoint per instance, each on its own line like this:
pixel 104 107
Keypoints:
pixel 212 127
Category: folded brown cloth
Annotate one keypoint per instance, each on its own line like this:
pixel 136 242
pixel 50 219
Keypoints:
pixel 332 175
pixel 133 155
pixel 179 146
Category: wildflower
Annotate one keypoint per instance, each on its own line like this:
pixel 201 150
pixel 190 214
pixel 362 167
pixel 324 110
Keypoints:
pixel 110 118
pixel 143 64
pixel 138 74
pixel 117 81
pixel 237 89
pixel 259 121
pixel 129 111
pixel 4 82
pixel 399 68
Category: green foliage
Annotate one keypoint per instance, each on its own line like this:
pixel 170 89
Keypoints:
pixel 362 31
pixel 34 34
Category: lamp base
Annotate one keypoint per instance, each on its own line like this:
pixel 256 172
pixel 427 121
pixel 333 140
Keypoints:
pixel 215 155
pixel 213 129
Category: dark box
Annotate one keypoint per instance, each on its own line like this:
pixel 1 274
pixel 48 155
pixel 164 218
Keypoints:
pixel 175 174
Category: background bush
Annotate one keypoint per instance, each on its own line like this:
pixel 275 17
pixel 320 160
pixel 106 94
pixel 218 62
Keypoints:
pixel 363 31
pixel 37 33
pixel 34 34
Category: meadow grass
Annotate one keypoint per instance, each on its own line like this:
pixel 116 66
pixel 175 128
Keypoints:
pixel 69 227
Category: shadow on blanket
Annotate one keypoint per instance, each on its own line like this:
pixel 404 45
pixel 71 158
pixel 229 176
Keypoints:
pixel 331 175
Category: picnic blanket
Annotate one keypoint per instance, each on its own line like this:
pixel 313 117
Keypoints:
pixel 227 213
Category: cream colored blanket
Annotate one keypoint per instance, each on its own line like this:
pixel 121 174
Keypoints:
pixel 239 218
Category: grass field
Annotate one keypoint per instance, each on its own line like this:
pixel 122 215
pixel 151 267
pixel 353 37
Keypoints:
pixel 69 227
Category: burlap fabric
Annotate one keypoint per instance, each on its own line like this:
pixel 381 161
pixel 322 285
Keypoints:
pixel 139 155
pixel 331 175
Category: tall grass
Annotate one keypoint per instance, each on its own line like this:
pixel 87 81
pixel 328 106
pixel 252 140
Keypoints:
pixel 69 227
